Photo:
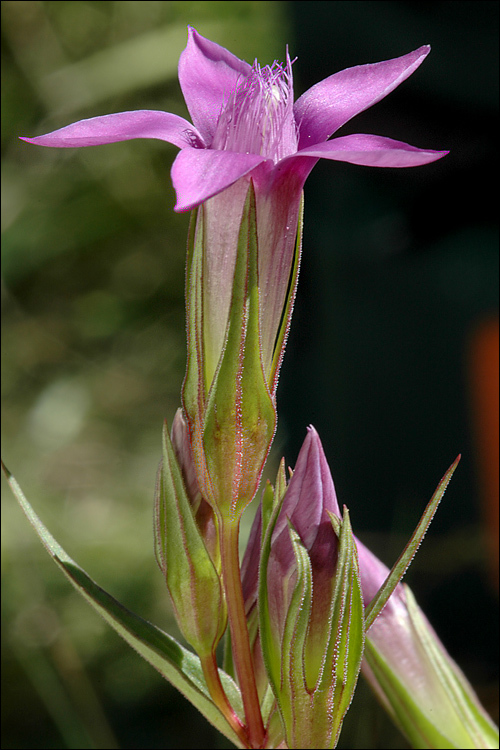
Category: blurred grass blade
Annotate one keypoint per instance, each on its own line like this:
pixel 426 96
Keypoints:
pixel 178 665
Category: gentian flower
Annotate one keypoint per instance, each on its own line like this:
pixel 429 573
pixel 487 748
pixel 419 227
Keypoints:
pixel 246 129
pixel 242 166
pixel 245 125
pixel 418 683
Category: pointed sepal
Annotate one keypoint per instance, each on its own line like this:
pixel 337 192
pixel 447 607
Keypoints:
pixel 402 563
pixel 240 418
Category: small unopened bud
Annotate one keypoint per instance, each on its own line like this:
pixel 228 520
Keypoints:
pixel 192 580
pixel 310 604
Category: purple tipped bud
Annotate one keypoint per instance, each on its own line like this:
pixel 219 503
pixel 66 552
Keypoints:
pixel 309 496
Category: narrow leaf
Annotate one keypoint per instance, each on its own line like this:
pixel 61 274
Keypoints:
pixel 401 565
pixel 174 662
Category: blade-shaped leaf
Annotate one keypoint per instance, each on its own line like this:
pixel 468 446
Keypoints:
pixel 174 662
pixel 401 565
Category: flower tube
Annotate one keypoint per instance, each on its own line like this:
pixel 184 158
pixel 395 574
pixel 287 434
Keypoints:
pixel 418 683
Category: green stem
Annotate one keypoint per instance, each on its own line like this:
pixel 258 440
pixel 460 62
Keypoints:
pixel 219 697
pixel 242 654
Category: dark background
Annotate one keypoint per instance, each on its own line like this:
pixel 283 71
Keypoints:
pixel 398 287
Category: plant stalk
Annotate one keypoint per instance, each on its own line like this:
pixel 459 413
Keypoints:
pixel 219 697
pixel 242 654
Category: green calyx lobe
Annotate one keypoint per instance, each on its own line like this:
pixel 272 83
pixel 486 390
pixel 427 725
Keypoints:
pixel 313 691
pixel 241 417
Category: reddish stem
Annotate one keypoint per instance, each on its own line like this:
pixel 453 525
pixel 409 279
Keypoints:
pixel 240 642
pixel 219 697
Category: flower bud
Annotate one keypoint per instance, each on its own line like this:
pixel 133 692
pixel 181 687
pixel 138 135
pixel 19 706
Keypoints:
pixel 310 604
pixel 202 511
pixel 407 666
pixel 192 579
pixel 421 687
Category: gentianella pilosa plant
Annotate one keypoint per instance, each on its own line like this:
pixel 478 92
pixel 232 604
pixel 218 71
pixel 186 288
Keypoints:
pixel 310 606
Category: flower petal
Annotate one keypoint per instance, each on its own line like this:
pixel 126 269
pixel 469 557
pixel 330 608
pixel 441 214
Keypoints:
pixel 207 75
pixel 122 126
pixel 199 174
pixel 372 151
pixel 311 491
pixel 327 105
pixel 309 495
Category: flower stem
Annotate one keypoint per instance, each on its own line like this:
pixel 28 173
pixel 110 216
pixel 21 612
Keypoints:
pixel 219 697
pixel 242 654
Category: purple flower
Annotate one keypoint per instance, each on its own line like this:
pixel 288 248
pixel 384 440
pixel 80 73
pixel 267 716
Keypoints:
pixel 310 603
pixel 244 116
pixel 310 496
pixel 421 687
pixel 247 126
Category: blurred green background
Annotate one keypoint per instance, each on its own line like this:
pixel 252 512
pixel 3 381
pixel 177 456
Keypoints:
pixel 399 274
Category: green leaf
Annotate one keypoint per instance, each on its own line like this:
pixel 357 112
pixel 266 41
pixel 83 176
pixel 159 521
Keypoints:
pixel 174 662
pixel 401 565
